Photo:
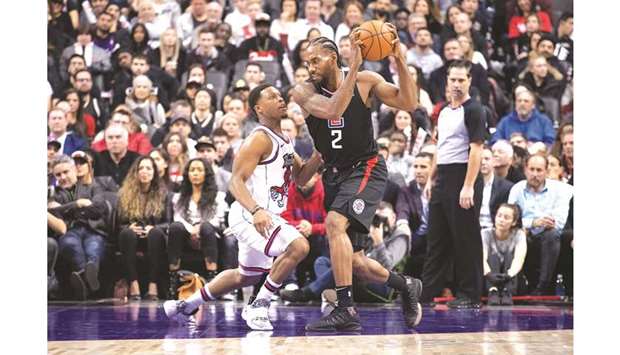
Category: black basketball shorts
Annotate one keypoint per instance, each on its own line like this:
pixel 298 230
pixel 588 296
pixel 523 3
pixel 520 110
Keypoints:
pixel 356 192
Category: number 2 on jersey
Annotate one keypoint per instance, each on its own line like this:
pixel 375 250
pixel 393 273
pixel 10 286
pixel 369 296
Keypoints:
pixel 337 137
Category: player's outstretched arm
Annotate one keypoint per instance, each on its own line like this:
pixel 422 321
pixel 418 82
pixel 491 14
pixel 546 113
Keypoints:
pixel 255 148
pixel 405 95
pixel 303 171
pixel 333 107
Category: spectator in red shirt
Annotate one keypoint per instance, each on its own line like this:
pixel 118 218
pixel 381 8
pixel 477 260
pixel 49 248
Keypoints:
pixel 517 26
pixel 138 141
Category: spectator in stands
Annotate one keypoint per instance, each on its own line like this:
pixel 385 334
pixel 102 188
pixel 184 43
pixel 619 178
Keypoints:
pixel 331 14
pixel 139 40
pixel 205 149
pixel 353 16
pixel 544 79
pixel 138 141
pixel 90 10
pixel 230 124
pixel 155 25
pixel 430 11
pixel 380 10
pixel 86 174
pixel 202 119
pixel 463 27
pixel 545 47
pixel 567 155
pixel 504 248
pixel 119 21
pixel 191 20
pixel 223 32
pixel 161 159
pixel 240 22
pixel 544 203
pixel 97 59
pixel 92 105
pixel 167 85
pixel 415 22
pixel 261 47
pixel 170 56
pixel 450 18
pixel 78 121
pixel 175 145
pixel 80 208
pixel 105 38
pixel 517 27
pixel 412 210
pixel 142 101
pixel 496 190
pixel 312 13
pixel 502 162
pixel 215 13
pixel 225 153
pixel 478 18
pixel 194 208
pixel 526 119
pixel 253 75
pixel 422 54
pixel 57 124
pixel 302 74
pixel 401 16
pixel 517 139
pixel 452 51
pixel 207 54
pixel 300 53
pixel 523 44
pixel 143 215
pixel 116 160
pixel 282 26
pixel 556 168
pixel 399 162
pixel 303 147
pixel 470 54
pixel 564 34
pixel 75 63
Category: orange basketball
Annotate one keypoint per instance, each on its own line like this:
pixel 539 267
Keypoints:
pixel 376 40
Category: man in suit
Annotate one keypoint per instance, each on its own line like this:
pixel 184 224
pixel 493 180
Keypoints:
pixel 496 190
pixel 412 207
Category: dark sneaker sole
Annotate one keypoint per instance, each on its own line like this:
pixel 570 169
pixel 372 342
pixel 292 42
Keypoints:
pixel 349 328
pixel 78 286
pixel 418 306
pixel 90 272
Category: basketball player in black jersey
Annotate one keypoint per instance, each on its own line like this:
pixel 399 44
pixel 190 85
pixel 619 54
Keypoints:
pixel 336 105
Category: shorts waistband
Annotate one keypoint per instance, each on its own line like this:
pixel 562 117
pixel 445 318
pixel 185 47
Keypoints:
pixel 340 169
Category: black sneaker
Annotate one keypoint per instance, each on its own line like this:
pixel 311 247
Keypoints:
pixel 300 295
pixel 412 309
pixel 493 298
pixel 340 319
pixel 79 287
pixel 463 303
pixel 506 297
pixel 91 273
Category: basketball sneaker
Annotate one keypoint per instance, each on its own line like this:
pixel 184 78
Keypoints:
pixel 412 309
pixel 256 315
pixel 179 311
pixel 340 319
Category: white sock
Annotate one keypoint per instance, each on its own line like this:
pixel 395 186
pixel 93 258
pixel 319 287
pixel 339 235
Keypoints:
pixel 200 297
pixel 268 289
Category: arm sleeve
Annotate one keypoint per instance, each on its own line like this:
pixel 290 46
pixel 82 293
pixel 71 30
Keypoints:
pixel 519 254
pixel 474 122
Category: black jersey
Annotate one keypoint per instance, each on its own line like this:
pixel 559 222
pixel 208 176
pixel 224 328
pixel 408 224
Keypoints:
pixel 345 140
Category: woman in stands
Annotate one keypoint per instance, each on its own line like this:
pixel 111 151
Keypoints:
pixel 503 250
pixel 194 207
pixel 175 146
pixel 143 214
pixel 170 56
pixel 79 121
pixel 161 159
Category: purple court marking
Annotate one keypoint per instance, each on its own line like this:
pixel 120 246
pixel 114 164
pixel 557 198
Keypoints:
pixel 146 320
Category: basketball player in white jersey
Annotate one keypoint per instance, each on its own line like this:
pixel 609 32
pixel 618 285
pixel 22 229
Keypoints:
pixel 262 173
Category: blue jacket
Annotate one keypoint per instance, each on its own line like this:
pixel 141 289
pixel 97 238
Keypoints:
pixel 538 128
pixel 73 142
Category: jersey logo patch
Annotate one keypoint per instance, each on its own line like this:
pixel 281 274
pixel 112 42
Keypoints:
pixel 278 193
pixel 358 206
pixel 336 123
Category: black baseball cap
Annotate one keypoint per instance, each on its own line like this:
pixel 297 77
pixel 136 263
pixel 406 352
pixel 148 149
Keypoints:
pixel 204 141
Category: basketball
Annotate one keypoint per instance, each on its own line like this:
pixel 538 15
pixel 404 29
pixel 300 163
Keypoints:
pixel 376 40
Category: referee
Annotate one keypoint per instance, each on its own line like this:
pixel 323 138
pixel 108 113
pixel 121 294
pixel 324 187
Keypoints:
pixel 454 208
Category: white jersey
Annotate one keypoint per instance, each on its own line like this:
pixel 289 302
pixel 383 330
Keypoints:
pixel 270 181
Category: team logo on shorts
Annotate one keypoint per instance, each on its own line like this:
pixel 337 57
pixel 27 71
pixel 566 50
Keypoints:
pixel 358 206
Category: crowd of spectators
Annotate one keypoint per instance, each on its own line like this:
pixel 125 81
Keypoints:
pixel 148 106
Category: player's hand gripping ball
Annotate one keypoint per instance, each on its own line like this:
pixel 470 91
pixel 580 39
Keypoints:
pixel 377 40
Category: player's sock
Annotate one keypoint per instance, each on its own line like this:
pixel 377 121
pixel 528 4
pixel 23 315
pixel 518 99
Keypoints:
pixel 344 296
pixel 396 281
pixel 199 297
pixel 268 289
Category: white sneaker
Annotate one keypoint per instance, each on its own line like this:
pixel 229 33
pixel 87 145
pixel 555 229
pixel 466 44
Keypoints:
pixel 179 311
pixel 256 315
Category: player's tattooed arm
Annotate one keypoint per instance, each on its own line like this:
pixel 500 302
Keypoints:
pixel 303 171
pixel 254 149
pixel 327 108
